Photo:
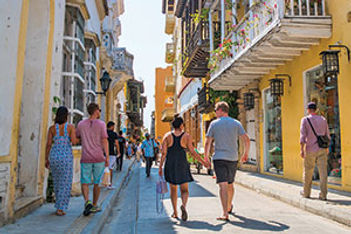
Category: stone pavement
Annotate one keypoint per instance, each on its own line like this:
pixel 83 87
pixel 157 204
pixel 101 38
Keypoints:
pixel 44 220
pixel 135 211
pixel 337 207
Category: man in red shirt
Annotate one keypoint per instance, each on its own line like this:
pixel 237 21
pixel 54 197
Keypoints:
pixel 93 135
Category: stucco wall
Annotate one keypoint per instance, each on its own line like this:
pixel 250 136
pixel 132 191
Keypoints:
pixel 293 102
pixel 93 24
pixel 9 31
pixel 33 95
pixel 160 96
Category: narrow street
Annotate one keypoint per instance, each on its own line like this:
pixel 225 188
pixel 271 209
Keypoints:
pixel 135 212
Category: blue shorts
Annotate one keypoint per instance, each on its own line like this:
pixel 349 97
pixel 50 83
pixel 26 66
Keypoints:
pixel 89 170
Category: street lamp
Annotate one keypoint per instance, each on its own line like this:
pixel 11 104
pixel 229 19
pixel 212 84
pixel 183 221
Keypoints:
pixel 105 81
pixel 330 59
pixel 277 84
pixel 249 100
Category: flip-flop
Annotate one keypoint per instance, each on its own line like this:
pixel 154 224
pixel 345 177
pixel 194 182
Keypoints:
pixel 60 213
pixel 223 219
pixel 184 213
pixel 174 216
pixel 231 210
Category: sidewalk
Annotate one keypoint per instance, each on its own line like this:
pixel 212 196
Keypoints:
pixel 337 207
pixel 44 220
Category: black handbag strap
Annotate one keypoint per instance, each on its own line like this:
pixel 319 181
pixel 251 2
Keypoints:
pixel 312 127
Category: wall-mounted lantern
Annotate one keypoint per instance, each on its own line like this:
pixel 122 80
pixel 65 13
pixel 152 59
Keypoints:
pixel 330 59
pixel 249 100
pixel 277 84
pixel 105 82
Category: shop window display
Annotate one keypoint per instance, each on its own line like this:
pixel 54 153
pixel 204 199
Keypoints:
pixel 324 92
pixel 273 134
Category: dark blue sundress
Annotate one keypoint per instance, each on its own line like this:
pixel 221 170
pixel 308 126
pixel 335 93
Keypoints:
pixel 61 165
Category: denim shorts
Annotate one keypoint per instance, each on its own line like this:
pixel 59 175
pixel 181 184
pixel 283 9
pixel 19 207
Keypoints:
pixel 91 170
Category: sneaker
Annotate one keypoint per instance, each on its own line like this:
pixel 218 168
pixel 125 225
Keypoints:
pixel 95 209
pixel 111 187
pixel 87 208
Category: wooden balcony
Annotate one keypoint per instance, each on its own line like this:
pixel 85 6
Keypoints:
pixel 170 53
pixel 167 114
pixel 197 52
pixel 280 32
pixel 170 84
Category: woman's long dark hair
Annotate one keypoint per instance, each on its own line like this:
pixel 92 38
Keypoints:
pixel 61 115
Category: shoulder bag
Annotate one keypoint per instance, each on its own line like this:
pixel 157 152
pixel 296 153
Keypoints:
pixel 323 140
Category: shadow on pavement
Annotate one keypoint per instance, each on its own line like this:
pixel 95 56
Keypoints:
pixel 254 224
pixel 195 224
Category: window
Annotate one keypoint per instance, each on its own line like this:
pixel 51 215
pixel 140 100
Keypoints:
pixel 324 92
pixel 90 71
pixel 73 82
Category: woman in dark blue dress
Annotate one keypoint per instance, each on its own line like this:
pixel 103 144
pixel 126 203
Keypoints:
pixel 177 168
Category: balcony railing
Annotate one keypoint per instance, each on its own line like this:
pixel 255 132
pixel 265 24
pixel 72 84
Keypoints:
pixel 169 84
pixel 122 61
pixel 168 115
pixel 289 22
pixel 201 36
pixel 170 52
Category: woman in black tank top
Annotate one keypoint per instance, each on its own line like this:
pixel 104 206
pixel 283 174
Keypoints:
pixel 177 168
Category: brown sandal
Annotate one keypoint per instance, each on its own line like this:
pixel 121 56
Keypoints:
pixel 184 213
pixel 223 218
pixel 60 213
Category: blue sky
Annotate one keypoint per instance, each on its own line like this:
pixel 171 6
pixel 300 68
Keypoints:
pixel 143 34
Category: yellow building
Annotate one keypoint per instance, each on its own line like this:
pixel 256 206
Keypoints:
pixel 283 40
pixel 164 100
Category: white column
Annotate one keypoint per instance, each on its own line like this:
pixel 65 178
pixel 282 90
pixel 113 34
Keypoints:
pixel 211 29
pixel 222 20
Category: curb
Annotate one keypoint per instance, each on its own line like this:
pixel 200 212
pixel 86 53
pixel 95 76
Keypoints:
pixel 324 209
pixel 96 224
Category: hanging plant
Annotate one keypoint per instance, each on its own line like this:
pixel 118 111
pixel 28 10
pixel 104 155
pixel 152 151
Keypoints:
pixel 230 98
pixel 242 34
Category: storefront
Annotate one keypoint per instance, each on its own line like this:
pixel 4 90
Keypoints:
pixel 324 92
pixel 273 153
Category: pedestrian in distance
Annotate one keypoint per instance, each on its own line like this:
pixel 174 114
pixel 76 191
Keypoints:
pixel 313 151
pixel 139 151
pixel 93 135
pixel 225 132
pixel 59 158
pixel 157 151
pixel 148 149
pixel 113 148
pixel 122 146
pixel 177 169
pixel 130 151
